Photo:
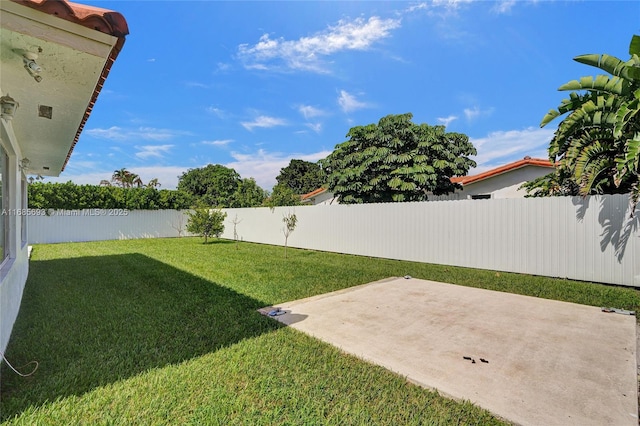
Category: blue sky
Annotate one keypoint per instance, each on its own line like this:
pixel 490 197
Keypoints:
pixel 251 85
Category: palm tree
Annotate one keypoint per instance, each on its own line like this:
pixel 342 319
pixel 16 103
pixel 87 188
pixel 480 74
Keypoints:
pixel 136 181
pixel 119 177
pixel 598 143
pixel 153 183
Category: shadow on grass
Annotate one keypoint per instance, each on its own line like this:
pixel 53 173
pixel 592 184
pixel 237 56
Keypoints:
pixel 217 241
pixel 92 321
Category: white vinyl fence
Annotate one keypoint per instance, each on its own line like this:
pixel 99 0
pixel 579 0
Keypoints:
pixel 591 239
pixel 62 226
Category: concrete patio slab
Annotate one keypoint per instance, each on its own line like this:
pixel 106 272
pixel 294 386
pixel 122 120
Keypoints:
pixel 548 362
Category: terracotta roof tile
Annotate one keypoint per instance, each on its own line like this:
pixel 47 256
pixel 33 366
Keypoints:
pixel 526 161
pixel 313 193
pixel 98 19
pixel 103 20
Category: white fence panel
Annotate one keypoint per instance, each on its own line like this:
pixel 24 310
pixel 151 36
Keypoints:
pixel 97 225
pixel 591 239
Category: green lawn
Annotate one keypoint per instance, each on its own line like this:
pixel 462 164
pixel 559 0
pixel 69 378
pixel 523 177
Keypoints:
pixel 165 331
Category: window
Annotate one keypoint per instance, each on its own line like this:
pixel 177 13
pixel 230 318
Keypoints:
pixel 481 197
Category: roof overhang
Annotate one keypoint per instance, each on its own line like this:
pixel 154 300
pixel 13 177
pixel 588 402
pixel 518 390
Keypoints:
pixel 75 46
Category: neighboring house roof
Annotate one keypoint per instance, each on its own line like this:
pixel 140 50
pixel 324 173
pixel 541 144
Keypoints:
pixel 313 194
pixel 526 161
pixel 466 180
pixel 95 18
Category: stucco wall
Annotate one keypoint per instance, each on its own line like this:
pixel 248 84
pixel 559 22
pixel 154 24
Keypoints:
pixel 14 270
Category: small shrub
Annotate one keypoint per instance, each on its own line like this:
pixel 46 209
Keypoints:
pixel 205 221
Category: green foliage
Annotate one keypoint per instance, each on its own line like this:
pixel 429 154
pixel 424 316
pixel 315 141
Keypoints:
pixel 290 220
pixel 397 160
pixel 248 194
pixel 126 179
pixel 206 222
pixel 557 183
pixel 69 196
pixel 301 176
pixel 282 195
pixel 597 145
pixel 220 186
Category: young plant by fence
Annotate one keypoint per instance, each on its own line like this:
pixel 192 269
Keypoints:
pixel 206 222
pixel 290 221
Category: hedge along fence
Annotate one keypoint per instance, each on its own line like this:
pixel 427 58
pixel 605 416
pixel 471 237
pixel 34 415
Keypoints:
pixel 590 239
pixel 69 196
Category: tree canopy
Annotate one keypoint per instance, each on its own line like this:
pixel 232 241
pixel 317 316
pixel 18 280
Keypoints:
pixel 282 195
pixel 301 176
pixel 397 160
pixel 597 145
pixel 70 196
pixel 206 222
pixel 248 194
pixel 126 179
pixel 220 186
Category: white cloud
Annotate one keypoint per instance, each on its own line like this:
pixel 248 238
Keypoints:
pixel 505 146
pixel 349 103
pixel 475 112
pixel 309 111
pixel 419 6
pixel 447 120
pixel 116 133
pixel 197 85
pixel 218 142
pixel 306 52
pixel 263 121
pixel 471 113
pixel 153 151
pixel 450 4
pixel 216 111
pixel 264 166
pixel 223 67
pixel 503 6
pixel 316 127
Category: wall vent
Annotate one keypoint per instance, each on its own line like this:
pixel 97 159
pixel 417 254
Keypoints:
pixel 45 111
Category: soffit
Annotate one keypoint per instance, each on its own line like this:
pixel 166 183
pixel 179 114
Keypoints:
pixel 74 60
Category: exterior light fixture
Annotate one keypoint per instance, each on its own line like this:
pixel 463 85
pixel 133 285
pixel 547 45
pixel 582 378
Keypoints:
pixel 8 107
pixel 32 67
pixel 24 163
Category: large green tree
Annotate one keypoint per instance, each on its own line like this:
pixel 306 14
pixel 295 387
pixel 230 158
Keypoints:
pixel 248 194
pixel 214 185
pixel 397 160
pixel 301 176
pixel 597 145
pixel 282 195
pixel 220 186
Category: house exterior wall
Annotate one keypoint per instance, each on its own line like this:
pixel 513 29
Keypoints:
pixel 326 198
pixel 504 185
pixel 15 268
